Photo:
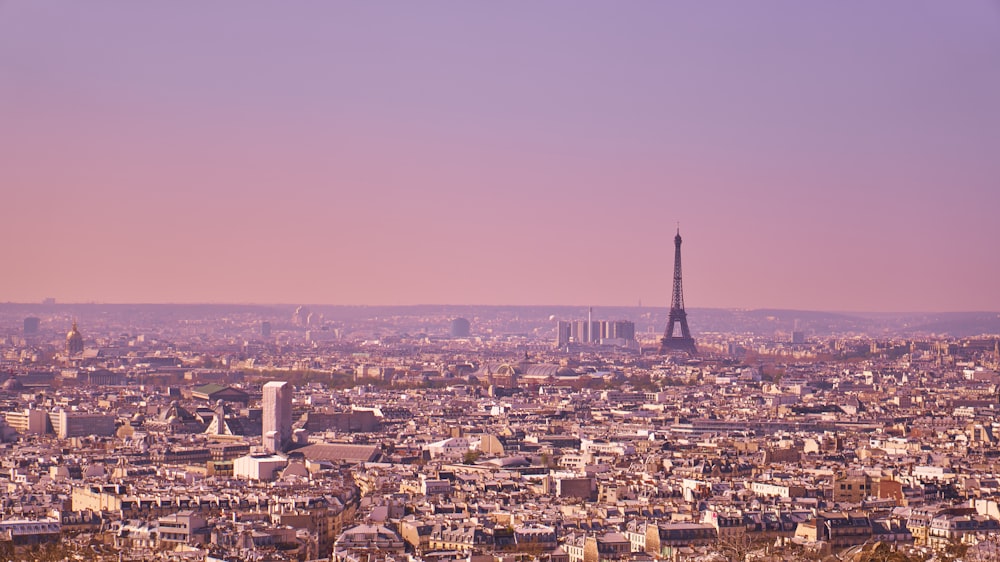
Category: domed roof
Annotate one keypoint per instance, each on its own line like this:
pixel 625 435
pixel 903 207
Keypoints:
pixel 12 384
pixel 565 372
pixel 506 370
pixel 74 334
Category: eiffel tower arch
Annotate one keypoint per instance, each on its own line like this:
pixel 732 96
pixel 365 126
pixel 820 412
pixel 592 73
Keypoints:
pixel 672 341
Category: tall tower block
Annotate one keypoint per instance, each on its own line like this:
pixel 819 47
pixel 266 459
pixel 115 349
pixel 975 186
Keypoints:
pixel 590 325
pixel 277 415
pixel 683 341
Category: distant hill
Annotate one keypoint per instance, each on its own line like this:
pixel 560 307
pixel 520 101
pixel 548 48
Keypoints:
pixel 955 324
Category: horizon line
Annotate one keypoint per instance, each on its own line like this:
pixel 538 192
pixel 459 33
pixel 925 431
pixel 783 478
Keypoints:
pixel 414 305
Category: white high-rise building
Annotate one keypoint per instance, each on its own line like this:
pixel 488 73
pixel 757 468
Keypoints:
pixel 277 415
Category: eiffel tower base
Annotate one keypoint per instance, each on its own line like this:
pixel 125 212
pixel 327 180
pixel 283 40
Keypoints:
pixel 683 345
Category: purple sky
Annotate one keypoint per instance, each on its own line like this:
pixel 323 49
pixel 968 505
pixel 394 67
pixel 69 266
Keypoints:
pixel 818 155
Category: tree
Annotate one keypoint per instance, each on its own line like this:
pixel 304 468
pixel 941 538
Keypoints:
pixel 885 552
pixel 953 552
pixel 738 547
pixel 987 549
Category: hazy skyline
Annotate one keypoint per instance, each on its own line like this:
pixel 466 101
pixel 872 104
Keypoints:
pixel 826 156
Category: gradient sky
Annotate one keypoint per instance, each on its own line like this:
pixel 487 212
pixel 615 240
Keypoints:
pixel 818 155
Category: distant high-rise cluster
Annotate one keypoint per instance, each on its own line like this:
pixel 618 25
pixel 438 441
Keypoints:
pixel 277 415
pixel 302 317
pixel 594 331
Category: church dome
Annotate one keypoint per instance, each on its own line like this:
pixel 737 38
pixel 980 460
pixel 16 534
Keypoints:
pixel 565 372
pixel 74 340
pixel 506 370
pixel 12 384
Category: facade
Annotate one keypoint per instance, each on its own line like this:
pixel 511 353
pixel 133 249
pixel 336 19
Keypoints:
pixel 22 532
pixel 665 538
pixel 135 535
pixel 258 467
pixel 452 448
pixel 28 421
pixel 940 527
pixel 97 498
pixel 277 415
pixel 362 421
pixel 768 489
pixel 852 487
pixel 100 377
pixel 947 529
pixel 839 530
pixel 564 331
pixel 575 487
pixel 367 539
pixel 180 527
pixel 608 546
pixel 81 424
pixel 434 486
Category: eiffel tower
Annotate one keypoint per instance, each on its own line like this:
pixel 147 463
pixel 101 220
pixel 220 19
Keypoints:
pixel 684 342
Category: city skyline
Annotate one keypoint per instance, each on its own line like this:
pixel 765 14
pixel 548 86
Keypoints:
pixel 823 157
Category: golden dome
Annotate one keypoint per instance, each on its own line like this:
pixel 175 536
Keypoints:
pixel 74 341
